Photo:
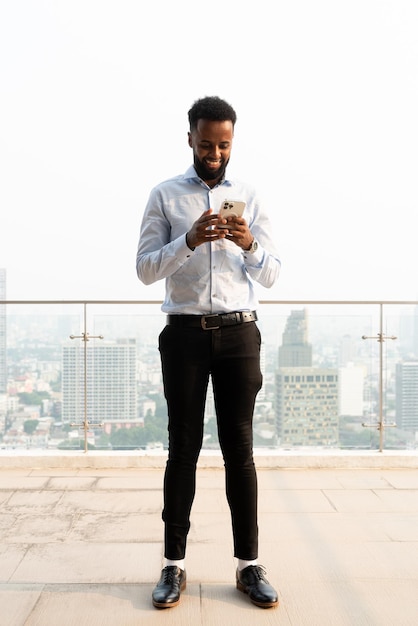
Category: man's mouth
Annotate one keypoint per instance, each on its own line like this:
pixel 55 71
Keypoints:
pixel 213 164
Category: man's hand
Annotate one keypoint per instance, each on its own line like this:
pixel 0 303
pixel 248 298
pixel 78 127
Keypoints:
pixel 238 232
pixel 203 230
pixel 207 228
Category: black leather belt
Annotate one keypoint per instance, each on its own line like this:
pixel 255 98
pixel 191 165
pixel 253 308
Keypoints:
pixel 212 321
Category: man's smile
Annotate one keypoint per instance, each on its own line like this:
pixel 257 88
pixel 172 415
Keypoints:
pixel 212 163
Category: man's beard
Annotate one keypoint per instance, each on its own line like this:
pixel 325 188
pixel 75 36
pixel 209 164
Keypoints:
pixel 208 174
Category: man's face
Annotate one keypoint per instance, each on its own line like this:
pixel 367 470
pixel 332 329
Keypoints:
pixel 211 143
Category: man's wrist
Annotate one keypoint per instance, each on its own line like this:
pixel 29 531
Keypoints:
pixel 253 247
pixel 188 244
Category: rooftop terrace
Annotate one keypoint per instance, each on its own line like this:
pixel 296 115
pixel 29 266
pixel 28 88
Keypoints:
pixel 81 541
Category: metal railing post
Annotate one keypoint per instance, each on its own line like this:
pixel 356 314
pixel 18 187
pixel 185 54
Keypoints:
pixel 381 339
pixel 85 338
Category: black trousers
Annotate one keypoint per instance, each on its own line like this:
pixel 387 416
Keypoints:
pixel 231 355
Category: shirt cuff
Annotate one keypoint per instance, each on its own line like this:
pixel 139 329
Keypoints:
pixel 182 250
pixel 253 258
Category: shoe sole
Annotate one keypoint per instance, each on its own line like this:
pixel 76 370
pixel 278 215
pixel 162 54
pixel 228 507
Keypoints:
pixel 169 605
pixel 262 605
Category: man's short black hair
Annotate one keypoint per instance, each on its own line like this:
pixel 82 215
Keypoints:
pixel 211 108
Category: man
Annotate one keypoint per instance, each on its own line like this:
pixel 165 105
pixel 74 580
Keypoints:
pixel 209 265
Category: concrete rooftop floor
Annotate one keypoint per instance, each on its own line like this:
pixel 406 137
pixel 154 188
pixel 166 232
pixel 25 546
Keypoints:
pixel 81 545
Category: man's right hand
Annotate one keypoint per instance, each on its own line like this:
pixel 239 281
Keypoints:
pixel 203 230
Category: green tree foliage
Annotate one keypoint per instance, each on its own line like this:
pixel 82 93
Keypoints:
pixel 127 438
pixel 29 426
pixel 33 399
pixel 154 430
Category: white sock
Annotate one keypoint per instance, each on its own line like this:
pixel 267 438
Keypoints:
pixel 179 563
pixel 243 564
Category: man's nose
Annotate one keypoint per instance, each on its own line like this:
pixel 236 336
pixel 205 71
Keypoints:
pixel 215 152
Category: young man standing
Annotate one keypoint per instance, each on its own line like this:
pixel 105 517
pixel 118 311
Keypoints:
pixel 210 265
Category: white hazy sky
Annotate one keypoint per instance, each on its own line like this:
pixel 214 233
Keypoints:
pixel 94 97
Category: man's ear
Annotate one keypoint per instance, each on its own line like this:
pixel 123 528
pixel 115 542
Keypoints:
pixel 189 137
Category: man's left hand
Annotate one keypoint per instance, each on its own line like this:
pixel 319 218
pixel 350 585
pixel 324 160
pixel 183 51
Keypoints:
pixel 238 232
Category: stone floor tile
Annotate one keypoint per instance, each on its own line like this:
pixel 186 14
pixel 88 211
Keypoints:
pixel 117 528
pixel 75 483
pixel 350 602
pixel 17 602
pixel 350 500
pixel 111 605
pixel 112 501
pixel 297 500
pixel 38 528
pixel 400 500
pixel 326 527
pixel 10 557
pixel 21 481
pixel 88 562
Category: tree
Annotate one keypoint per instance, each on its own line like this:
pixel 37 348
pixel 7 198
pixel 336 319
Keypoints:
pixel 127 438
pixel 34 398
pixel 29 426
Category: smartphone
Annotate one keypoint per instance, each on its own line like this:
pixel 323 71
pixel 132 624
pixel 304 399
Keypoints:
pixel 231 207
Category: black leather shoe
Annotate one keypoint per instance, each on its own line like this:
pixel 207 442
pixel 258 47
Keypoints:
pixel 251 580
pixel 167 592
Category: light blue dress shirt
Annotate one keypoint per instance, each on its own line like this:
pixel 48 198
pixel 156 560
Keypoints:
pixel 217 277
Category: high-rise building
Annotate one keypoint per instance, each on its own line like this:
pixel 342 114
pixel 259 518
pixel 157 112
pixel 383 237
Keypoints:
pixel 111 383
pixel 307 406
pixel 306 396
pixel 415 333
pixel 295 350
pixel 407 395
pixel 3 359
pixel 408 333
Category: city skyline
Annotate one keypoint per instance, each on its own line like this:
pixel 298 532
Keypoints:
pixel 338 372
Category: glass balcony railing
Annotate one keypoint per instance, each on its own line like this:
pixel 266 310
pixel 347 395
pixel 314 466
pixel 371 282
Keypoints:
pixel 86 375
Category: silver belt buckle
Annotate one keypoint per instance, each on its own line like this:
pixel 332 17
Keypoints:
pixel 203 322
